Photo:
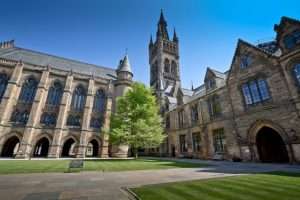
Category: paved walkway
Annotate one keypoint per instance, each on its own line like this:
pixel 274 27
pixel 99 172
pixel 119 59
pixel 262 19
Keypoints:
pixel 107 186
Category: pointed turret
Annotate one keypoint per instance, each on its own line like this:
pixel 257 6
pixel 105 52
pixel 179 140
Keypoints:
pixel 175 38
pixel 151 41
pixel 162 31
pixel 124 65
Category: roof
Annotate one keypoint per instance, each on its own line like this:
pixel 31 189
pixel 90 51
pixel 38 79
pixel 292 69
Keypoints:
pixel 270 47
pixel 125 65
pixel 43 59
pixel 187 92
pixel 217 73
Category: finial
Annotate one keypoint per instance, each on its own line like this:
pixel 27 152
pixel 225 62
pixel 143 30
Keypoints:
pixel 151 41
pixel 192 85
pixel 175 38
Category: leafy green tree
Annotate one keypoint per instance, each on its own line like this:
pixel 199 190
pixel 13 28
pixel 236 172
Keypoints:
pixel 137 122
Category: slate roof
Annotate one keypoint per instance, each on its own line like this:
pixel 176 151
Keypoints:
pixel 43 59
pixel 187 92
pixel 125 65
pixel 270 47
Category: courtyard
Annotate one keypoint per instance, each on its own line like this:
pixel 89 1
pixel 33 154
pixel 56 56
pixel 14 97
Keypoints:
pixel 106 179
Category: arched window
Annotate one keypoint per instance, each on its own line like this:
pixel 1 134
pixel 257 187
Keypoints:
pixel 99 101
pixel 96 122
pixel 174 68
pixel 78 99
pixel 55 94
pixel 28 90
pixel 20 117
pixel 167 66
pixel 74 120
pixel 297 73
pixel 48 119
pixel 3 84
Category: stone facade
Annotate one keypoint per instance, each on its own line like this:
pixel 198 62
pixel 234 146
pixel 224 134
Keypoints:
pixel 251 112
pixel 35 124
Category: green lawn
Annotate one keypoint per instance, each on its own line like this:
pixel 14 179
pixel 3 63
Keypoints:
pixel 40 166
pixel 275 186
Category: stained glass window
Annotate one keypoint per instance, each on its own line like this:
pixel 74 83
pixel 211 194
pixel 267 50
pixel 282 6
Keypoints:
pixel 28 90
pixel 55 93
pixel 78 99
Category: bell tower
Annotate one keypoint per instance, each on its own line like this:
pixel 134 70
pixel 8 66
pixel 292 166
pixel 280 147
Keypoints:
pixel 164 62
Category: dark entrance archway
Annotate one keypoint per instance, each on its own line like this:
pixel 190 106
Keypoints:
pixel 93 148
pixel 270 146
pixel 68 148
pixel 41 148
pixel 10 147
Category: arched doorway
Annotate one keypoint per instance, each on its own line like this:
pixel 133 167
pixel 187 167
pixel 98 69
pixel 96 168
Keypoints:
pixel 270 146
pixel 41 148
pixel 92 148
pixel 11 147
pixel 69 148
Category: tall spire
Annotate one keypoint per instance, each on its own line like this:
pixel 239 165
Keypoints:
pixel 162 31
pixel 175 38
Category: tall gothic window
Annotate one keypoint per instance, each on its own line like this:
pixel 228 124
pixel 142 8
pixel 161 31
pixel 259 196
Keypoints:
pixel 182 143
pixel 167 66
pixel 255 91
pixel 174 68
pixel 196 142
pixel 55 93
pixel 181 118
pixel 214 106
pixel 98 109
pixel 78 99
pixel 3 84
pixel 297 73
pixel 219 140
pixel 99 101
pixel 194 113
pixel 77 106
pixel 28 90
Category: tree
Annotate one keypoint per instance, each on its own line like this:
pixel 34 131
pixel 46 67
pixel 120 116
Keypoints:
pixel 137 122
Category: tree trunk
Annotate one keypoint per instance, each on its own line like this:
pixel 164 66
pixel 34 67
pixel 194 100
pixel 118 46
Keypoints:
pixel 135 151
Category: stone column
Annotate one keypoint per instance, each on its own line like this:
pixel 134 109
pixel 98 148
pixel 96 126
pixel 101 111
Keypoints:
pixel 86 120
pixel 34 117
pixel 11 94
pixel 106 127
pixel 10 98
pixel 56 145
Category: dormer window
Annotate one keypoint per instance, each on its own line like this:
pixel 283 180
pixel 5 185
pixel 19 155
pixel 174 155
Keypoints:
pixel 291 40
pixel 210 84
pixel 246 61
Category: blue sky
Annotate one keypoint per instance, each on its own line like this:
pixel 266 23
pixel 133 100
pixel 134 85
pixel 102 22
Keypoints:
pixel 98 32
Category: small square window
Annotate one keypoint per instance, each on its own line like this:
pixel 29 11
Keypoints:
pixel 246 61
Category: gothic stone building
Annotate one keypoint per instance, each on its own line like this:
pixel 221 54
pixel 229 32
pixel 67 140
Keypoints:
pixel 251 112
pixel 56 107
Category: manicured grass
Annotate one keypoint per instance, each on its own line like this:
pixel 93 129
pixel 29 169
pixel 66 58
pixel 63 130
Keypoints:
pixel 40 166
pixel 275 186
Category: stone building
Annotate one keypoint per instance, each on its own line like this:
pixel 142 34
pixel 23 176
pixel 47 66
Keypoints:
pixel 56 107
pixel 251 112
